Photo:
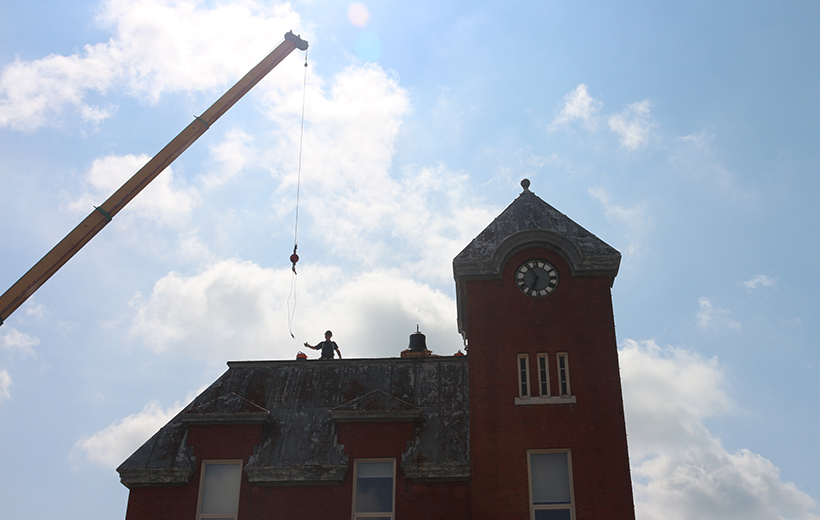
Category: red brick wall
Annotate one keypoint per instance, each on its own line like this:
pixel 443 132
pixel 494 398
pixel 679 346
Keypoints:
pixel 448 500
pixel 501 322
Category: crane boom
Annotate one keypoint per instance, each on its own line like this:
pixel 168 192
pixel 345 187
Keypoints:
pixel 102 215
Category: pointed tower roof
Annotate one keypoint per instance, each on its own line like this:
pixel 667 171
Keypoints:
pixel 528 222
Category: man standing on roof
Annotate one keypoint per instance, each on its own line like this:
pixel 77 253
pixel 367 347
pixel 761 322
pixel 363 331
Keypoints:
pixel 327 347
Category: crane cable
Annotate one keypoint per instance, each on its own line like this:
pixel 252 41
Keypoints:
pixel 294 257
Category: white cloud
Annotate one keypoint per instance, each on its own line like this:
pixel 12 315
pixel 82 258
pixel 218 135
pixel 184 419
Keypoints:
pixel 695 158
pixel 191 248
pixel 165 200
pixel 418 218
pixel 701 140
pixel 226 310
pixel 634 125
pixel 155 47
pixel 708 482
pixel 183 45
pixel 238 310
pixel 349 139
pixel 36 310
pixel 231 156
pixel 16 341
pixel 668 392
pixel 760 280
pixel 578 106
pixel 32 94
pixel 711 317
pixel 113 444
pixel 634 222
pixel 5 385
pixel 415 221
pixel 680 470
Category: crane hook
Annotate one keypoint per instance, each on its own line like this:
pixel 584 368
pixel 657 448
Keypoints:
pixel 294 258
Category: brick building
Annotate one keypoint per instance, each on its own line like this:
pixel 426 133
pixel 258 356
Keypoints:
pixel 528 425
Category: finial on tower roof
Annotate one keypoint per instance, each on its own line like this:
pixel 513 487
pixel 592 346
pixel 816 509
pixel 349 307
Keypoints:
pixel 525 183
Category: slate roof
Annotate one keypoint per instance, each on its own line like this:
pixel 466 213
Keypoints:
pixel 298 402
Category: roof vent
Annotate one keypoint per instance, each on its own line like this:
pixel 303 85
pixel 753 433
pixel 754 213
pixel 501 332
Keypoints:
pixel 418 342
pixel 418 345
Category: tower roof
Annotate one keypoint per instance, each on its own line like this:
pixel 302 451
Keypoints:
pixel 531 222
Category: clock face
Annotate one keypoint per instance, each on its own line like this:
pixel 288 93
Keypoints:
pixel 536 278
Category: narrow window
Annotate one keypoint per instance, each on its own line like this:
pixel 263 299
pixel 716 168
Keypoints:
pixel 544 374
pixel 563 374
pixel 373 491
pixel 219 489
pixel 523 375
pixel 550 473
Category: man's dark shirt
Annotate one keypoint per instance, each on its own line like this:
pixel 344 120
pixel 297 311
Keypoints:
pixel 328 349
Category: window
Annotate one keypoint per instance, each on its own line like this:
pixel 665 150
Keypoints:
pixel 563 374
pixel 523 376
pixel 544 374
pixel 550 485
pixel 543 378
pixel 219 489
pixel 373 489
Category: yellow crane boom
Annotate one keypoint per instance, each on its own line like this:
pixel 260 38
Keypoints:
pixel 102 215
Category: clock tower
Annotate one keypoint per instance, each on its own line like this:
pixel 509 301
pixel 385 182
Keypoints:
pixel 548 437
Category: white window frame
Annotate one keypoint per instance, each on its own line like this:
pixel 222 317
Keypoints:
pixel 357 516
pixel 522 376
pixel 543 374
pixel 563 374
pixel 543 398
pixel 540 507
pixel 199 514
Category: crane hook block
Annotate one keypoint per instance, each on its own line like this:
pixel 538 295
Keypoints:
pixel 294 258
pixel 301 44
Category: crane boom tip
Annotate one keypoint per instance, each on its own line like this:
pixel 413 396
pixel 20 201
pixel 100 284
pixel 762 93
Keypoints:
pixel 301 44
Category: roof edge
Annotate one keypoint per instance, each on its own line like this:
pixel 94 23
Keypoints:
pixel 144 477
pixel 227 418
pixel 374 415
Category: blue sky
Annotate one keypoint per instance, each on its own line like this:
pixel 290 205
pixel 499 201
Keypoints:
pixel 683 135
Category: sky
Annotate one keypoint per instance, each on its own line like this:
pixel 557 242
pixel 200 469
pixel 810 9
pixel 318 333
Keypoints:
pixel 681 133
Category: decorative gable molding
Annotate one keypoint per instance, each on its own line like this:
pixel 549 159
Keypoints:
pixel 375 406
